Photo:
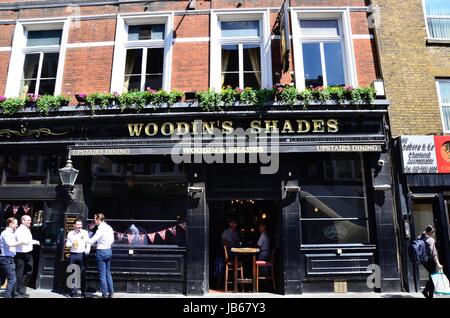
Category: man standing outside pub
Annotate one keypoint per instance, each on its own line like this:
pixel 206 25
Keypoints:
pixel 77 240
pixel 24 255
pixel 104 237
pixel 8 245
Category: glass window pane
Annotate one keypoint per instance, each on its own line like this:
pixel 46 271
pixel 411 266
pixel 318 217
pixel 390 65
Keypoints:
pixel 252 80
pixel 49 65
pixel 31 66
pixel 47 87
pixel 44 37
pixel 333 207
pixel 334 232
pixel 133 63
pixel 437 7
pixel 312 64
pixel 146 32
pixel 252 58
pixel 444 88
pixel 28 86
pixel 230 58
pixel 132 82
pixel 446 114
pixel 230 79
pixel 26 169
pixel 155 61
pixel 319 27
pixel 439 28
pixel 334 64
pixel 153 82
pixel 235 29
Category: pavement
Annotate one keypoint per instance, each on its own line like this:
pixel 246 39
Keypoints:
pixel 44 293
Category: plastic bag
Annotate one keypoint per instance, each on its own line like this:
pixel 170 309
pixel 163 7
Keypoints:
pixel 441 284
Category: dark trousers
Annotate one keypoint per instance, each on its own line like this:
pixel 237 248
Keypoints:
pixel 24 270
pixel 430 266
pixel 80 260
pixel 8 268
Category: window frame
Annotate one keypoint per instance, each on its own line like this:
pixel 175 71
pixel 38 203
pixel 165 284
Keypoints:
pixel 264 42
pixel 345 38
pixel 426 17
pixel 20 50
pixel 122 45
pixel 441 104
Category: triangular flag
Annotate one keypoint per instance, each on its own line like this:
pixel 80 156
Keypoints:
pixel 119 236
pixel 141 238
pixel 15 209
pixel 162 234
pixel 151 236
pixel 7 206
pixel 182 225
pixel 130 238
pixel 173 230
pixel 26 208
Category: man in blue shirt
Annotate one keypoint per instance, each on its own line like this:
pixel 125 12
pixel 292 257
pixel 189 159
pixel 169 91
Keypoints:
pixel 8 245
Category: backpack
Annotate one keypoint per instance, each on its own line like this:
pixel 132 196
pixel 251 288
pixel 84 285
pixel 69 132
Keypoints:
pixel 418 251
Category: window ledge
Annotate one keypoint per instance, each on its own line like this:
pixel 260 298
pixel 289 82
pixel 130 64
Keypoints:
pixel 443 42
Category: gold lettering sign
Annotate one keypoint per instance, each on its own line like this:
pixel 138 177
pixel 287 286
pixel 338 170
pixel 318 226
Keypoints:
pixel 287 126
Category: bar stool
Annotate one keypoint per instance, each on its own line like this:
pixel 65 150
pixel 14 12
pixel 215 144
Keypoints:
pixel 268 265
pixel 229 266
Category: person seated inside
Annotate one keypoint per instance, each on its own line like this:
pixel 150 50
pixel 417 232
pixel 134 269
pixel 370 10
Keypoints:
pixel 263 244
pixel 230 236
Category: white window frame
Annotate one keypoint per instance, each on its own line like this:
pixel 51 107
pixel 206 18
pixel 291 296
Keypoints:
pixel 426 16
pixel 122 45
pixel 441 104
pixel 343 17
pixel 20 49
pixel 218 16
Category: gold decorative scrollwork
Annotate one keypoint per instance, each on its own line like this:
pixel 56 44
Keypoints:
pixel 24 132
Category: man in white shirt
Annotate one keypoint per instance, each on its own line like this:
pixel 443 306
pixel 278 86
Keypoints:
pixel 24 255
pixel 104 237
pixel 77 240
pixel 8 245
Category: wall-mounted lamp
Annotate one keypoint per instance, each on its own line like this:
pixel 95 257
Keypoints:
pixel 294 189
pixel 379 88
pixel 68 176
pixel 191 5
pixel 195 190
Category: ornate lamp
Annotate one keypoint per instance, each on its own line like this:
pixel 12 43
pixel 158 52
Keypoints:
pixel 68 176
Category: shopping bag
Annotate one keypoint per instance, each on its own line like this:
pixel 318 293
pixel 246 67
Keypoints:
pixel 441 284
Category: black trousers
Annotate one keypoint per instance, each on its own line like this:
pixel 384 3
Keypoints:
pixel 430 266
pixel 80 260
pixel 24 270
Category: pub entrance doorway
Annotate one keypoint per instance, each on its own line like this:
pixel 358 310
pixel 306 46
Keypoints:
pixel 248 214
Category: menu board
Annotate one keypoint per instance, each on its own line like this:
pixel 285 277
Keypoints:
pixel 69 224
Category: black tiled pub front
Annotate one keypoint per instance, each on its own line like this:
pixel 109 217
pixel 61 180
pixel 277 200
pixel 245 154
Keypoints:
pixel 329 206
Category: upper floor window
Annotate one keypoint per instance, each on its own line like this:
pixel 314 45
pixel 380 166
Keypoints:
pixel 142 53
pixel 241 54
pixel 437 13
pixel 443 87
pixel 41 62
pixel 322 45
pixel 145 57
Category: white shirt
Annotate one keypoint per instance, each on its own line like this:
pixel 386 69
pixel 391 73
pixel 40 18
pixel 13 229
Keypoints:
pixel 82 238
pixel 6 240
pixel 104 237
pixel 23 234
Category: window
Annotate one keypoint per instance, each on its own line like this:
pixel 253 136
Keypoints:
pixel 322 46
pixel 41 62
pixel 241 62
pixel 333 200
pixel 443 87
pixel 437 13
pixel 144 57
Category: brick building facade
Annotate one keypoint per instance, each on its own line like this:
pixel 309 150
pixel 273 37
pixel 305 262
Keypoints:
pixel 329 206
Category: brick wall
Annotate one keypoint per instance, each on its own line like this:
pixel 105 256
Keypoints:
pixel 410 67
pixel 88 69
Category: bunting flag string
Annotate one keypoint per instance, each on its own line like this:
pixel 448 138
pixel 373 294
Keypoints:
pixel 141 237
pixel 15 208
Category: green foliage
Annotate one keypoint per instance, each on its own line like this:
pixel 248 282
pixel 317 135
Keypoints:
pixel 46 103
pixel 209 100
pixel 248 96
pixel 12 105
pixel 288 95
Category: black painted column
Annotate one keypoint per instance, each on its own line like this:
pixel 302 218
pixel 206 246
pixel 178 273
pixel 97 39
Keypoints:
pixel 290 264
pixel 386 230
pixel 196 240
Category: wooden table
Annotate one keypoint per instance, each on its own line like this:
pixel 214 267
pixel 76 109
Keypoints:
pixel 244 251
